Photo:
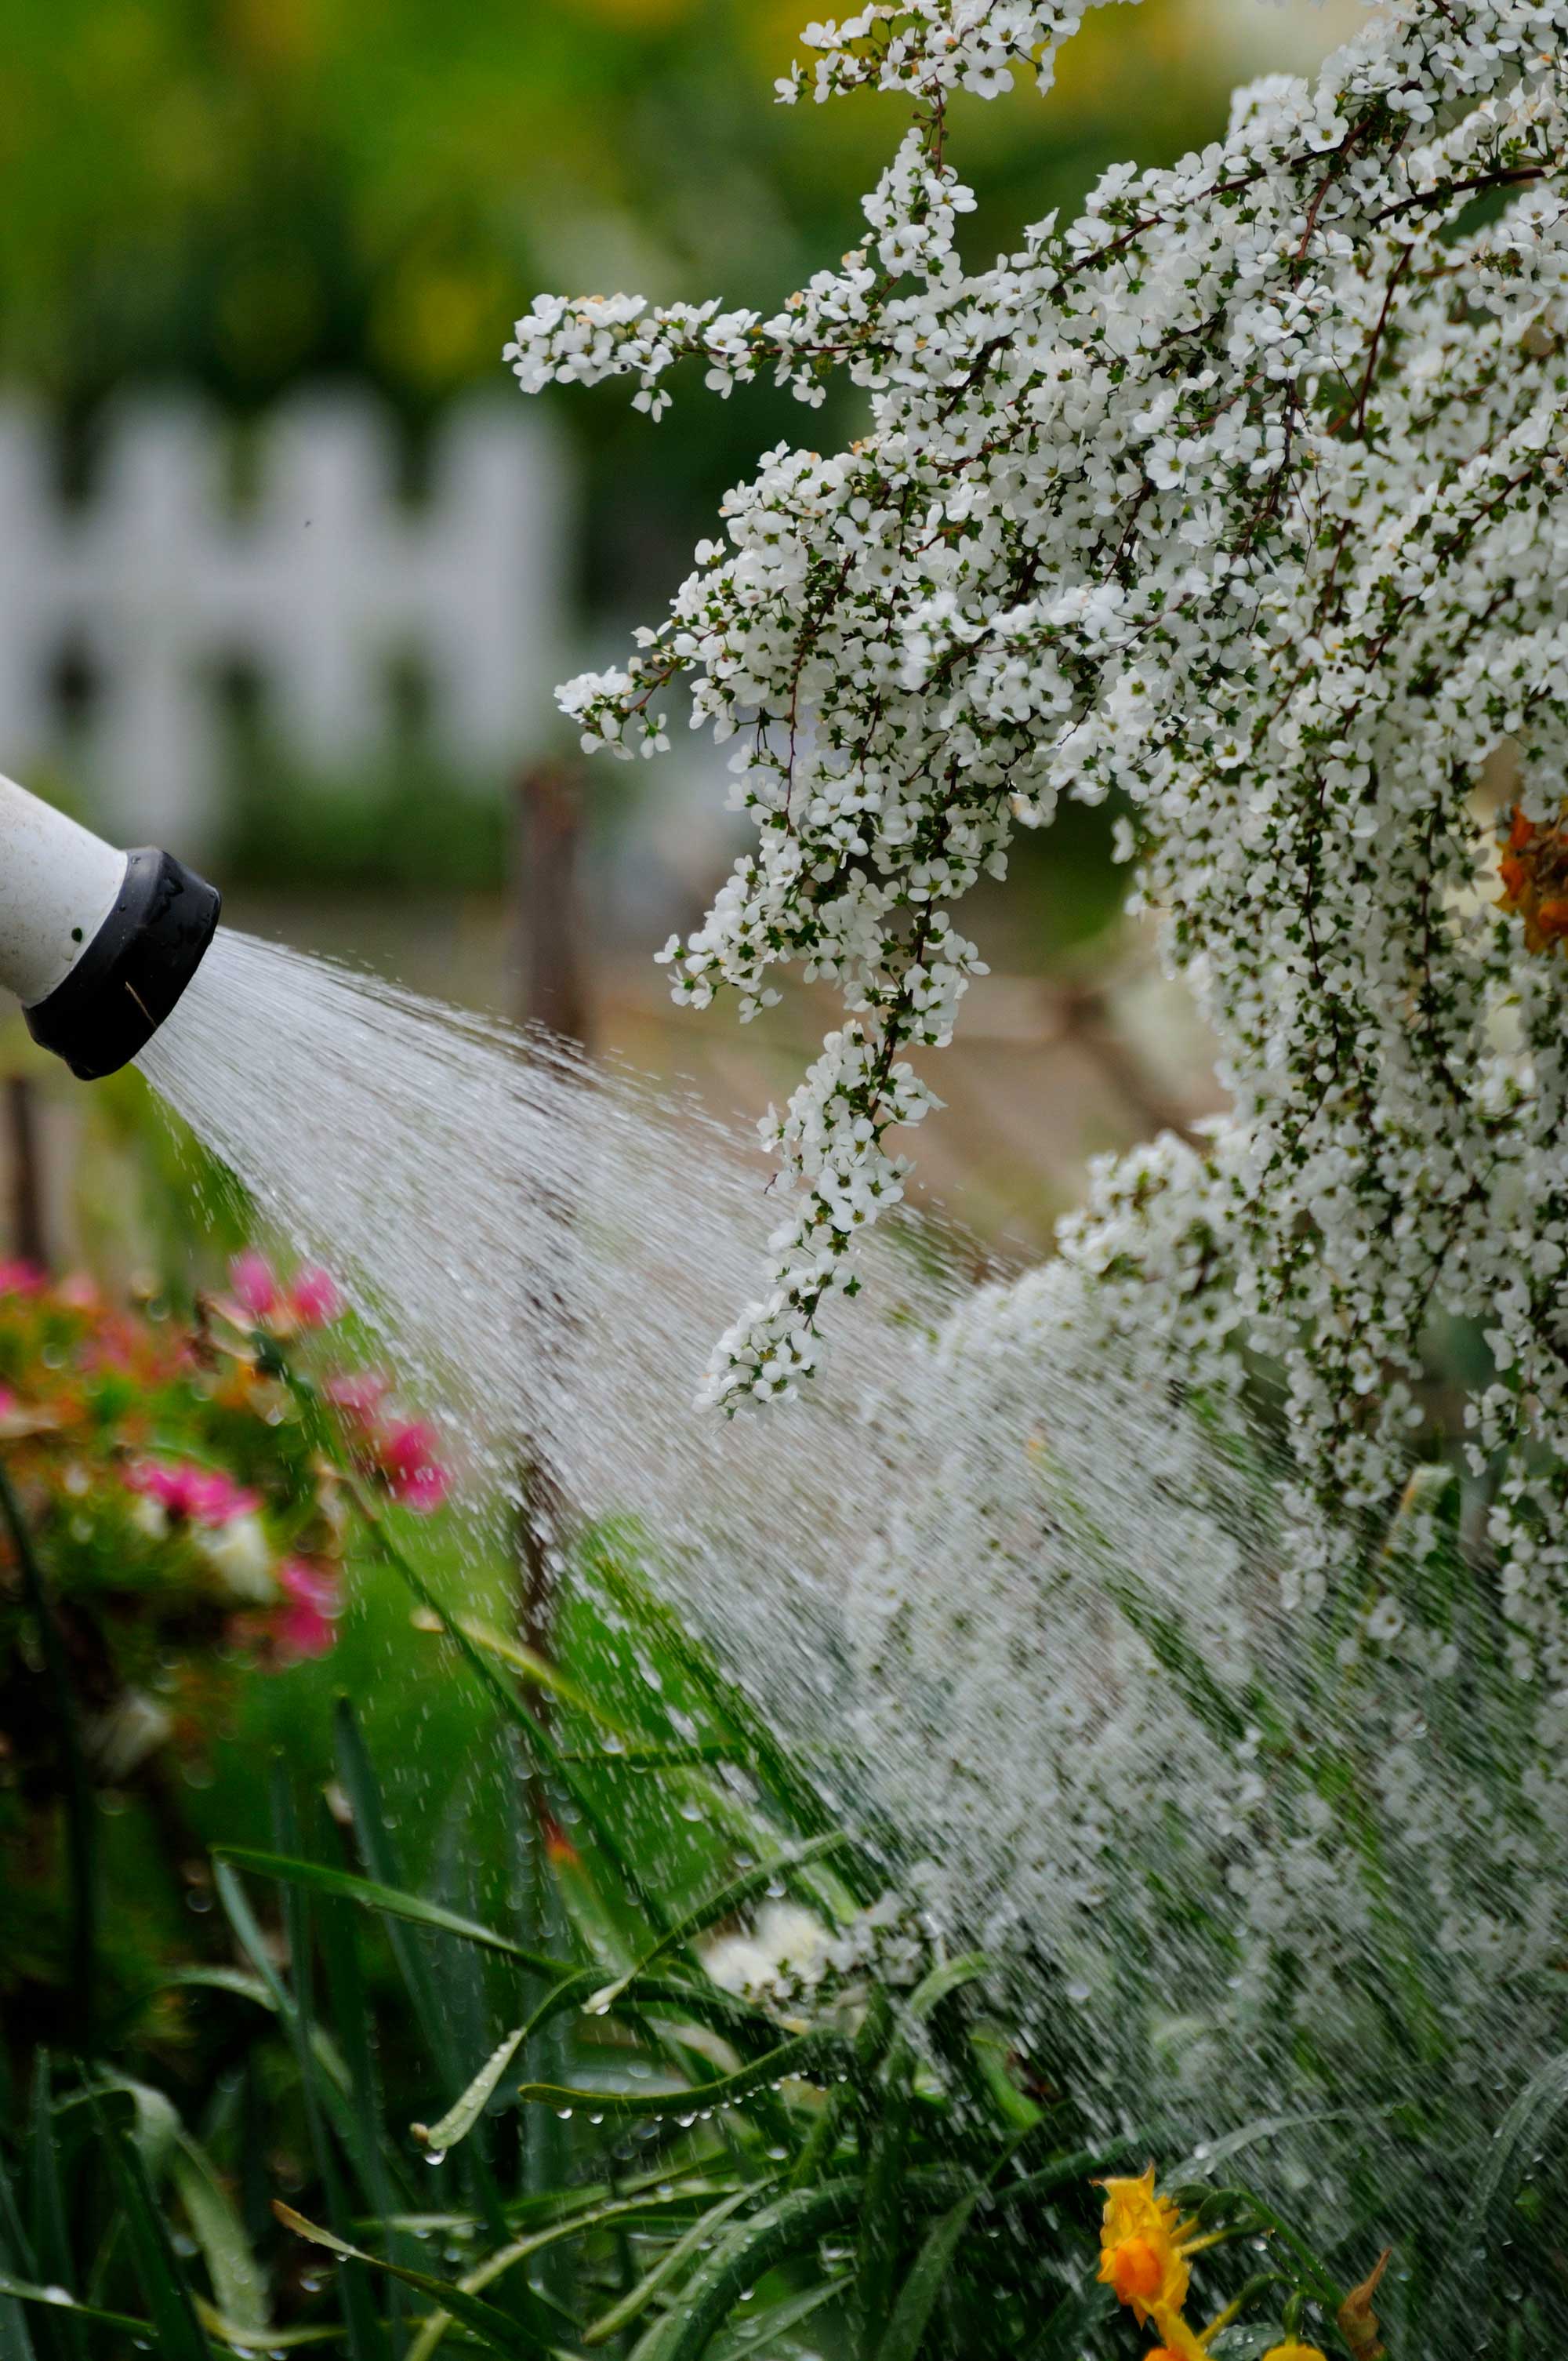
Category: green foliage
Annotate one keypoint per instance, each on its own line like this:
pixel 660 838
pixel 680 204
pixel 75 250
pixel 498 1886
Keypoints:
pixel 324 2131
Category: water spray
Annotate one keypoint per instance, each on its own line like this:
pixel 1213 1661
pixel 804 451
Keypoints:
pixel 97 945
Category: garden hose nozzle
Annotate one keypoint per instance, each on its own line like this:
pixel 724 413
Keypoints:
pixel 97 945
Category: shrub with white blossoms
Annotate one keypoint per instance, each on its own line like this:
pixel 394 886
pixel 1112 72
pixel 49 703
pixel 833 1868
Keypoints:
pixel 1240 499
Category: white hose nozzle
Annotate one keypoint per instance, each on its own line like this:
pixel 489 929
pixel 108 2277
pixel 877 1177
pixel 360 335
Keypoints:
pixel 97 945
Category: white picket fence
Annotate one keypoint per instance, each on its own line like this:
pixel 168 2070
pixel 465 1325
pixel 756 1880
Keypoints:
pixel 319 586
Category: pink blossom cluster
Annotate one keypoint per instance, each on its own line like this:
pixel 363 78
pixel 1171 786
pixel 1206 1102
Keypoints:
pixel 400 1453
pixel 311 1299
pixel 197 1496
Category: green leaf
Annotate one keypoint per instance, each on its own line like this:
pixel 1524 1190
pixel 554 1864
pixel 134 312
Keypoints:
pixel 935 1988
pixel 760 2330
pixel 495 2330
pixel 81 1803
pixel 322 2097
pixel 728 1705
pixel 225 1979
pixel 807 2054
pixel 239 2284
pixel 362 1787
pixel 320 1879
pixel 276 2340
pixel 460 2119
pixel 154 2126
pixel 918 2297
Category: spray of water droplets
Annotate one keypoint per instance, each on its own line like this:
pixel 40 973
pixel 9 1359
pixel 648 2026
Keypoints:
pixel 1022 1600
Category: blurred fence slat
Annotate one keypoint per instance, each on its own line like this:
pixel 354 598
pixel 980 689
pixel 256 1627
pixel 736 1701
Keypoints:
pixel 321 586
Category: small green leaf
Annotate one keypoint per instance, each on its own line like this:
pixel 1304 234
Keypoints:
pixel 240 2284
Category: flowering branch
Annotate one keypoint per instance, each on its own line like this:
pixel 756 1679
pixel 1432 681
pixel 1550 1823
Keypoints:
pixel 1238 498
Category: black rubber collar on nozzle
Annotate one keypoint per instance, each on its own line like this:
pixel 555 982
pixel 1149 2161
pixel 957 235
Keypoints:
pixel 132 972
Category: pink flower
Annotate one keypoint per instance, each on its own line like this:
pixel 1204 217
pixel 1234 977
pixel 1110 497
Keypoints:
pixel 8 1401
pixel 415 1475
pixel 307 1626
pixel 316 1299
pixel 202 1496
pixel 255 1283
pixel 79 1293
pixel 359 1396
pixel 21 1278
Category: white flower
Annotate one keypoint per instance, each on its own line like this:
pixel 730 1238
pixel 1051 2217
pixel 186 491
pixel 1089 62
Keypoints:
pixel 241 1556
pixel 786 1951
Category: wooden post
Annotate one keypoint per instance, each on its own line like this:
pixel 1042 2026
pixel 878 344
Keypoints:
pixel 552 965
pixel 28 1208
pixel 551 970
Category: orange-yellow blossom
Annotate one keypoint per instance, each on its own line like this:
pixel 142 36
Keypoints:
pixel 1143 2248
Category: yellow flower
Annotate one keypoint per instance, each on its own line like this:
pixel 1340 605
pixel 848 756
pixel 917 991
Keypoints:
pixel 1143 2250
pixel 1291 2350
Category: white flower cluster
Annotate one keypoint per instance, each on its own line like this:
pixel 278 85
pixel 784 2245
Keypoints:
pixel 1240 499
pixel 790 1958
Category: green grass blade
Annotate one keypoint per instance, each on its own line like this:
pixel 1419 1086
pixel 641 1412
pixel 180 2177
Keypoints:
pixel 808 2054
pixel 460 2119
pixel 15 2259
pixel 792 2225
pixel 603 2215
pixel 791 1791
pixel 163 2283
pixel 222 1979
pixel 321 1879
pixel 1480 2234
pixel 884 2216
pixel 322 2097
pixel 61 2340
pixel 53 2302
pixel 368 2336
pixel 918 2297
pixel 379 1854
pixel 637 2300
pixel 496 2330
pixel 545 1750
pixel 239 2284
